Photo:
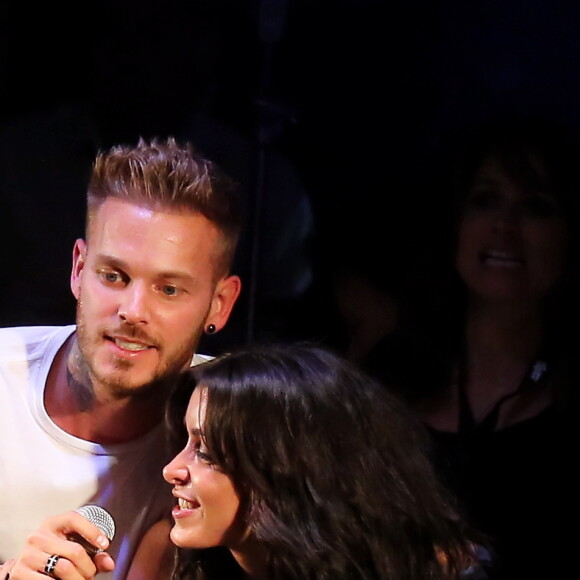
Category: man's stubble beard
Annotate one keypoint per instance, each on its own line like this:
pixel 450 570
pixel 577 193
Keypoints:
pixel 118 385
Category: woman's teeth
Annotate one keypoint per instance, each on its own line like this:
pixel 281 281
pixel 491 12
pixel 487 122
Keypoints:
pixel 184 504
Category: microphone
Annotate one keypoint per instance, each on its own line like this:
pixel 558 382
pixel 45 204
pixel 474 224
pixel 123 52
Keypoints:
pixel 101 518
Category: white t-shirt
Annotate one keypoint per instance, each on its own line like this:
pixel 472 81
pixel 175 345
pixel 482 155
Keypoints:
pixel 45 471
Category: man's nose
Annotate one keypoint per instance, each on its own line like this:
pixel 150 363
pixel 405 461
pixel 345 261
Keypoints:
pixel 134 308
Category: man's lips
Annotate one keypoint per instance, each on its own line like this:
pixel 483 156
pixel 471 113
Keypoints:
pixel 129 343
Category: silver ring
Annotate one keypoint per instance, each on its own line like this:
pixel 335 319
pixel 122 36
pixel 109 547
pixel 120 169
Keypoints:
pixel 50 565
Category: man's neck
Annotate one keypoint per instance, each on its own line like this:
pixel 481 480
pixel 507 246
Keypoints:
pixel 80 409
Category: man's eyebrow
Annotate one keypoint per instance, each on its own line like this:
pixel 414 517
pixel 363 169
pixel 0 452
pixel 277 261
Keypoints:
pixel 118 263
pixel 125 266
pixel 173 274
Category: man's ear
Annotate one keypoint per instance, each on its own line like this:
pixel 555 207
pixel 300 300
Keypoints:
pixel 78 263
pixel 225 295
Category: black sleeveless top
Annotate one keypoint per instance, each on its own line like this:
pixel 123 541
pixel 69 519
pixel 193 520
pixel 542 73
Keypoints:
pixel 518 485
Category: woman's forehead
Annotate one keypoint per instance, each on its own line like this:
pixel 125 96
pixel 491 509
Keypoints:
pixel 196 409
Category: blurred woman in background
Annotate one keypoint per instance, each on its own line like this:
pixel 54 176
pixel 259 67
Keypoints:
pixel 489 362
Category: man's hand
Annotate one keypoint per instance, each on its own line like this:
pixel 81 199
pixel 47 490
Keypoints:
pixel 48 552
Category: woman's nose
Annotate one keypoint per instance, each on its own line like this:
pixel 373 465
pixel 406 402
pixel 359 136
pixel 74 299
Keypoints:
pixel 175 472
pixel 507 216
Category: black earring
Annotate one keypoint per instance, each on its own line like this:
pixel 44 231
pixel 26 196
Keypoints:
pixel 210 329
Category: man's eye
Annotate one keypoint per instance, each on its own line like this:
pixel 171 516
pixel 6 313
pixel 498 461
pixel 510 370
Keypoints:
pixel 169 290
pixel 111 277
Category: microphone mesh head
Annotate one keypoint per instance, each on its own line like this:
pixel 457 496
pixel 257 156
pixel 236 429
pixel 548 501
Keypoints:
pixel 100 517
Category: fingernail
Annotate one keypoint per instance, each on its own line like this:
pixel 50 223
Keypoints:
pixel 102 541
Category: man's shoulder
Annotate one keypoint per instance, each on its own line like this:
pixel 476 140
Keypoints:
pixel 21 339
pixel 32 332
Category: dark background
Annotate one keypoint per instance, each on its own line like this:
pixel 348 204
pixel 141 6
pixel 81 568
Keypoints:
pixel 340 120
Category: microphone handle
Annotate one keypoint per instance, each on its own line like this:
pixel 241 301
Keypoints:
pixel 89 548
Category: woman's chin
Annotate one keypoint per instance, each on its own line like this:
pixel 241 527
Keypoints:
pixel 181 538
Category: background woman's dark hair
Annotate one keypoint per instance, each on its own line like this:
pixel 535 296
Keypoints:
pixel 518 144
pixel 334 470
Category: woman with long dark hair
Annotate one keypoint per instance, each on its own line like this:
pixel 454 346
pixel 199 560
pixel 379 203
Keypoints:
pixel 297 465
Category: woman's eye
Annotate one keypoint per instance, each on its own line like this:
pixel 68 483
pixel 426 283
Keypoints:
pixel 541 206
pixel 205 457
pixel 481 200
